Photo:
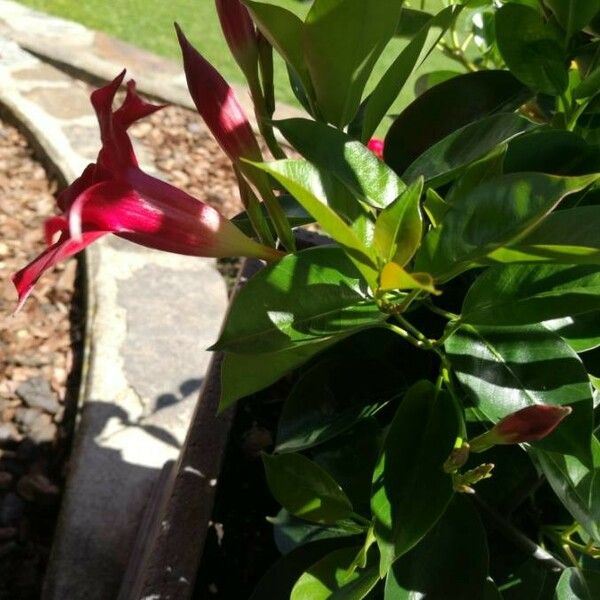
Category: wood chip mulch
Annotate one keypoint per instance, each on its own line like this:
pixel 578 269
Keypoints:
pixel 36 359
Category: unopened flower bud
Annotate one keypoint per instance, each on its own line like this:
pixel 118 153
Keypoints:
pixel 375 145
pixel 526 425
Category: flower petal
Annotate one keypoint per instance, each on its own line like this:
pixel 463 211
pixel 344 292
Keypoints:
pixel 134 107
pixel 26 278
pixel 217 104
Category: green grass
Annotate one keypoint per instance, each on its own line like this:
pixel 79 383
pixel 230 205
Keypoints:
pixel 149 24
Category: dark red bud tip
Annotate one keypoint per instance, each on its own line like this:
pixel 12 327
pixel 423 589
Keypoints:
pixel 531 424
pixel 526 425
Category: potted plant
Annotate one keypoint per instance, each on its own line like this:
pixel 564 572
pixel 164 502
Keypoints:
pixel 438 439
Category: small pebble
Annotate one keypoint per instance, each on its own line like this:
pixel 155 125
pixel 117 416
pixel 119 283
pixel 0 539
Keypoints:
pixel 36 393
pixel 9 433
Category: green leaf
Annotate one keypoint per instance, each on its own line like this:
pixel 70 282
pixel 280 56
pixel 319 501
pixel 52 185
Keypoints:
pixel 399 227
pixel 410 58
pixel 565 236
pixel 551 151
pixel 410 489
pixel 353 164
pixel 519 294
pixel 573 15
pixel 283 29
pixel 330 579
pixel 577 584
pixel 581 332
pixel 590 86
pixel 323 405
pixel 306 297
pixel 428 80
pixel 309 186
pixel 472 96
pixel 294 212
pixel 411 21
pixel 440 163
pixel 435 207
pixel 531 49
pixel 305 490
pixel 505 369
pixel 434 569
pixel 290 532
pixel 496 213
pixel 342 42
pixel 577 485
pixel 278 581
pixel 244 374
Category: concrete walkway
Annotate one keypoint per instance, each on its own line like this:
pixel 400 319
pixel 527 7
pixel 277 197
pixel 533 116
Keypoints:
pixel 150 314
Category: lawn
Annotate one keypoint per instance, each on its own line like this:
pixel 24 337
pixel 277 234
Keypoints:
pixel 149 24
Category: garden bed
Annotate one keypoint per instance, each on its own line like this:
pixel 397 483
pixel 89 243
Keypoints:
pixel 40 360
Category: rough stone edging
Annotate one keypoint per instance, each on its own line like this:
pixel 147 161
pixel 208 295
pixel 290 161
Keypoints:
pixel 124 436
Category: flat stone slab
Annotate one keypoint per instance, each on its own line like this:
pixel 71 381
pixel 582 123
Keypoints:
pixel 150 317
pixel 77 48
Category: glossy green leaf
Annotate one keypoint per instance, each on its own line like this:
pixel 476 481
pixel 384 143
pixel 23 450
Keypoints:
pixel 505 369
pixel 532 580
pixel 496 213
pixel 350 459
pixel 435 569
pixel 565 236
pixel 304 489
pixel 573 15
pixel 488 167
pixel 577 485
pixel 531 49
pixel 410 489
pixel 330 579
pixel 428 80
pixel 353 164
pixel 519 294
pixel 435 207
pixel 472 96
pixel 305 297
pixel 291 532
pixel 283 29
pixel 278 581
pixel 590 86
pixel 244 374
pixel 551 151
pixel 410 58
pixel 399 227
pixel 342 41
pixel 322 404
pixel 440 163
pixel 577 584
pixel 294 212
pixel 581 332
pixel 306 183
pixel 411 20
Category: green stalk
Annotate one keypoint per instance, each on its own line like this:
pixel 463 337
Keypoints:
pixel 253 210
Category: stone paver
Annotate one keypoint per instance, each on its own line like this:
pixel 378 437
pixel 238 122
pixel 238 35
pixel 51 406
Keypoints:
pixel 150 317
pixel 77 48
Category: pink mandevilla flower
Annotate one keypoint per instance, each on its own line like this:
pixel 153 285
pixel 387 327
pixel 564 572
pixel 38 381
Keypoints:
pixel 114 195
pixel 526 425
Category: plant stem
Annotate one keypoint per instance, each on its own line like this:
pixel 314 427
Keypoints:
pixel 360 519
pixel 404 334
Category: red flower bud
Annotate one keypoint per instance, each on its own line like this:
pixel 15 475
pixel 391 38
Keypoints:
pixel 375 145
pixel 239 33
pixel 526 425
pixel 217 104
